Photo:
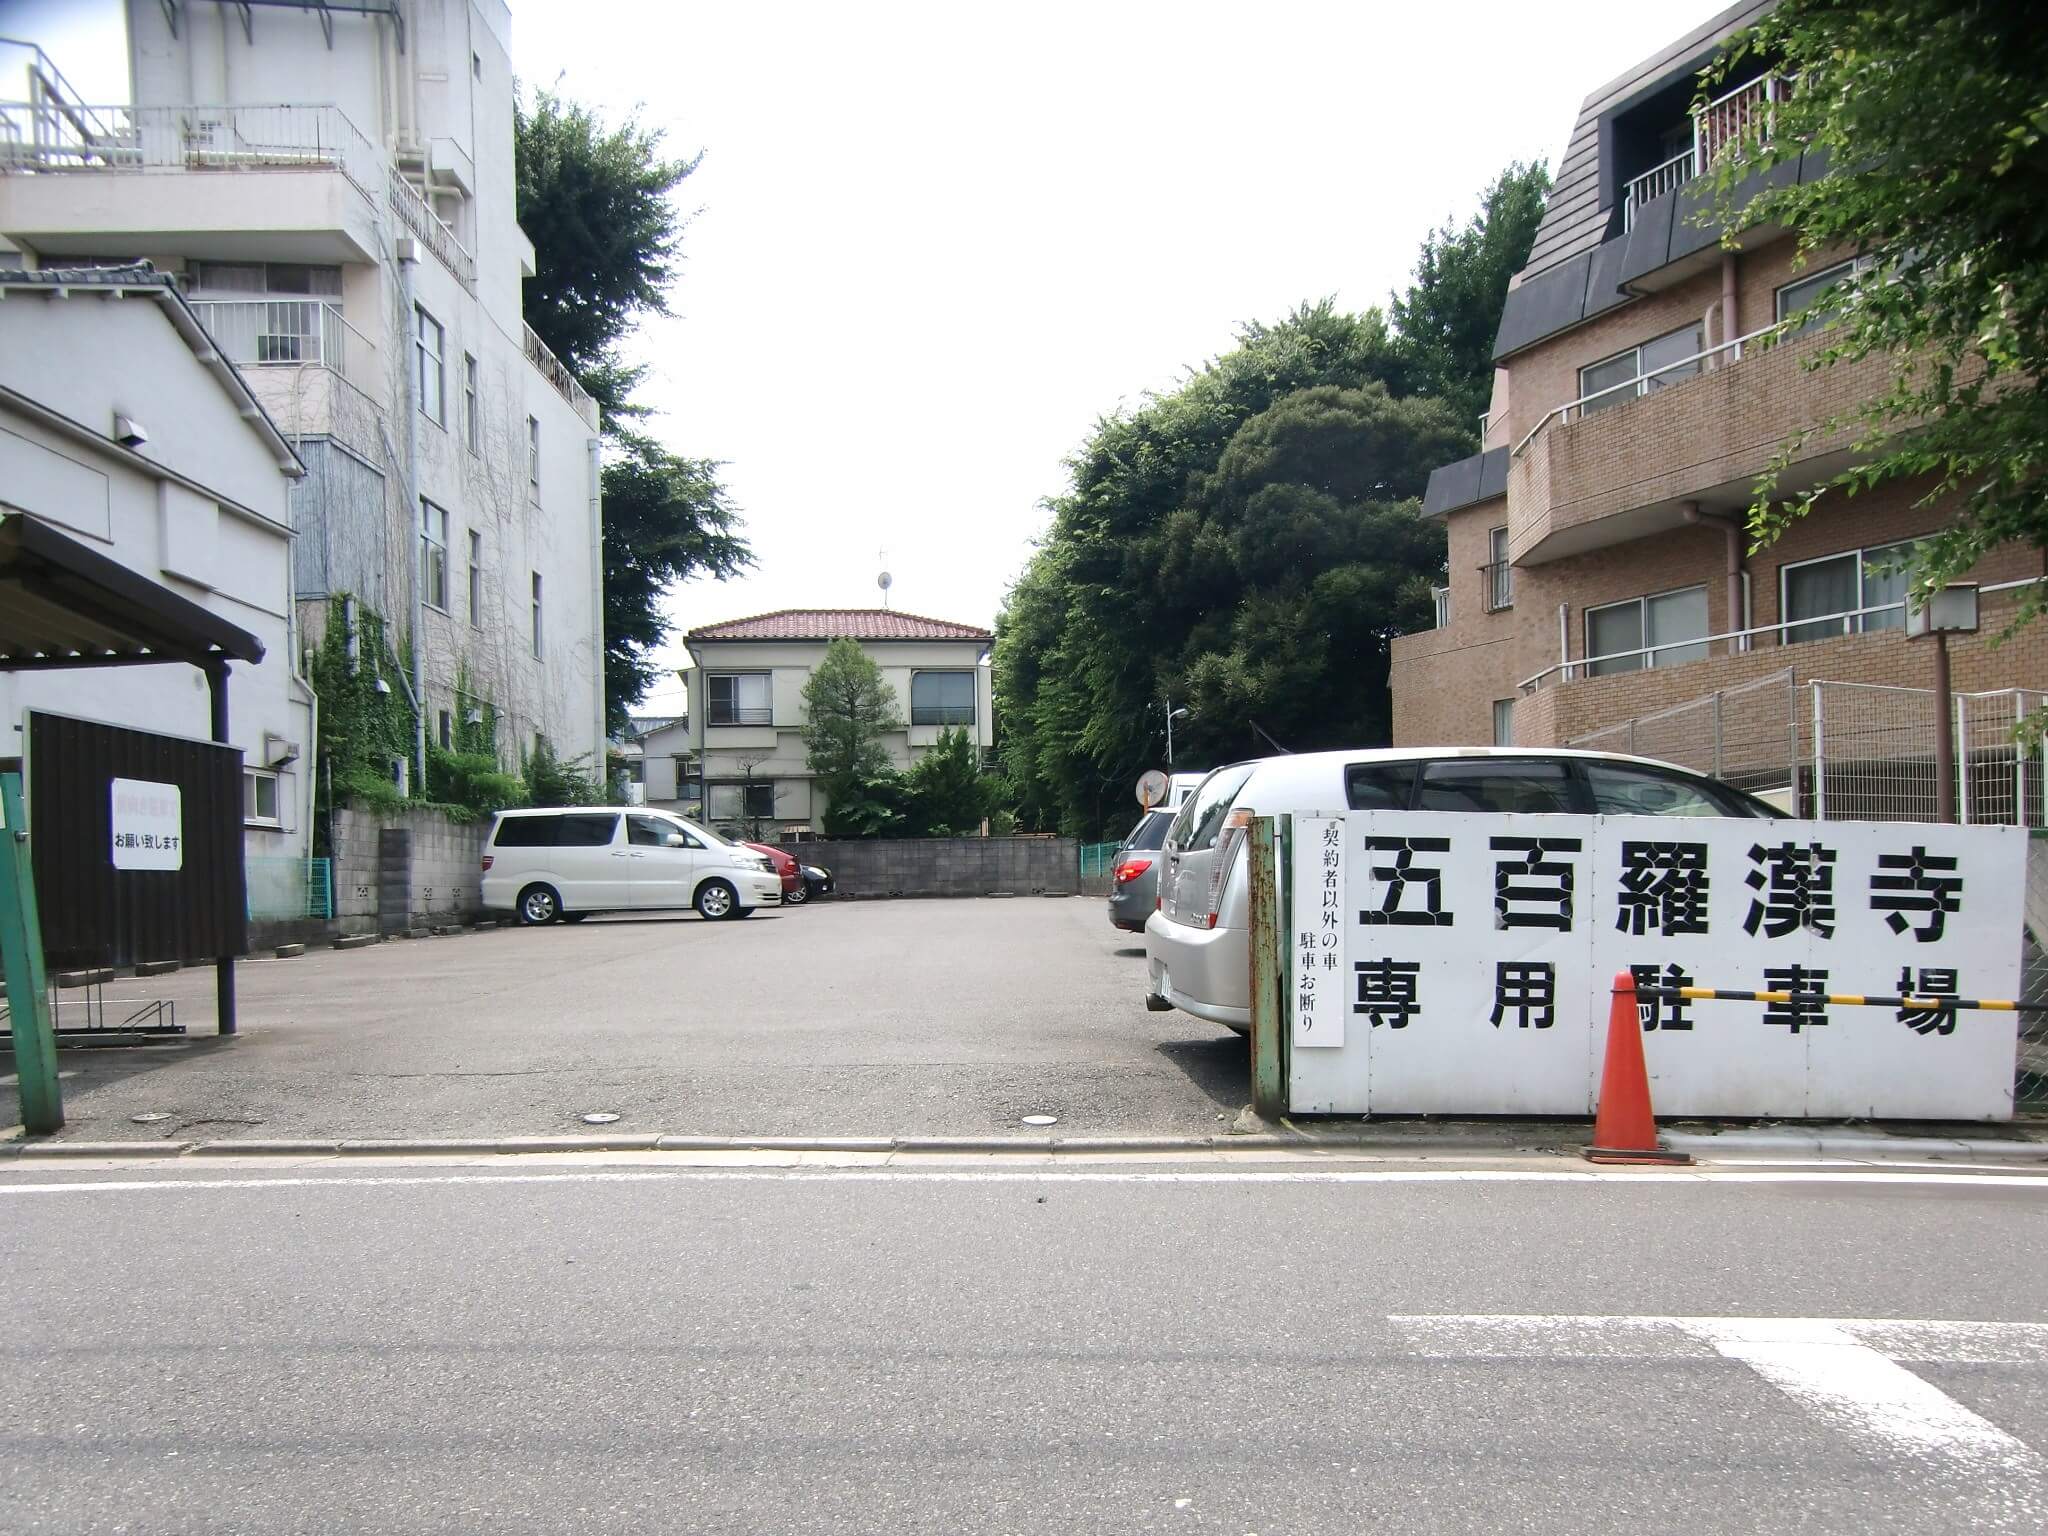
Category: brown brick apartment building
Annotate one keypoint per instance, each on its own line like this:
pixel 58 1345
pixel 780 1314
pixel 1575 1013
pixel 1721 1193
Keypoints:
pixel 1597 552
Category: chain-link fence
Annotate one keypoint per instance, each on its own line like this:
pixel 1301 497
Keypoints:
pixel 288 889
pixel 1874 754
pixel 1747 735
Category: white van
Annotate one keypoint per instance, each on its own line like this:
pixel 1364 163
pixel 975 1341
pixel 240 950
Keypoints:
pixel 563 865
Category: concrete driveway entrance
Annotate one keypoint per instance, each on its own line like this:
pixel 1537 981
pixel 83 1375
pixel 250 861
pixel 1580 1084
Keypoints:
pixel 949 1018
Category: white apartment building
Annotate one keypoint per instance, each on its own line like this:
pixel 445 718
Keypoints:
pixel 122 427
pixel 738 758
pixel 334 191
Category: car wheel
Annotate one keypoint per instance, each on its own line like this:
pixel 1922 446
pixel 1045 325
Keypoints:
pixel 539 904
pixel 716 900
pixel 797 897
pixel 574 917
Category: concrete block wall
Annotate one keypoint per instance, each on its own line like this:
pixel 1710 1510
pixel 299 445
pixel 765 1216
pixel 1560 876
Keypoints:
pixel 948 866
pixel 432 874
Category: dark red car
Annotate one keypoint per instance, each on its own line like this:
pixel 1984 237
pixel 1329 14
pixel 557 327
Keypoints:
pixel 793 889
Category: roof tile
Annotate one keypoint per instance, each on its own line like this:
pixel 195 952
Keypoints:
pixel 838 623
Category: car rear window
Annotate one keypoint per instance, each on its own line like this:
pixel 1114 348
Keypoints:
pixel 1496 784
pixel 1201 819
pixel 1150 832
pixel 526 832
pixel 1379 786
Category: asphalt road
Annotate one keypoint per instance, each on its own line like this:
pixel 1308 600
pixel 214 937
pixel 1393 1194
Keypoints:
pixel 1054 1351
pixel 843 1018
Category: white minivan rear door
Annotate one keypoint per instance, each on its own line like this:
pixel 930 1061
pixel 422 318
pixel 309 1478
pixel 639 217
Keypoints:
pixel 590 858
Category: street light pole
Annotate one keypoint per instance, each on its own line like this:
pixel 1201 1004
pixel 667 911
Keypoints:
pixel 1944 733
pixel 1171 715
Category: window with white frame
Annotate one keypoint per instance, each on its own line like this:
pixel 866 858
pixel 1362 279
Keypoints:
pixel 1503 722
pixel 476 579
pixel 536 616
pixel 472 432
pixel 533 456
pixel 428 340
pixel 1661 361
pixel 261 804
pixel 1661 631
pixel 1828 593
pixel 942 698
pixel 1804 298
pixel 739 698
pixel 433 555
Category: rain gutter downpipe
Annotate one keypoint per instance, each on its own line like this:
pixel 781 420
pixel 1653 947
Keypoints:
pixel 1731 532
pixel 408 263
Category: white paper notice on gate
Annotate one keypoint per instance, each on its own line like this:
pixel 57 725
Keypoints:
pixel 148 822
pixel 1480 951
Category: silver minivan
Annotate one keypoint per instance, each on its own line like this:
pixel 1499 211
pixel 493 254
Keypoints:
pixel 561 865
pixel 1197 955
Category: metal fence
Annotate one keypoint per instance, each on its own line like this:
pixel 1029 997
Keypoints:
pixel 1097 859
pixel 277 333
pixel 50 135
pixel 1747 735
pixel 1874 755
pixel 286 890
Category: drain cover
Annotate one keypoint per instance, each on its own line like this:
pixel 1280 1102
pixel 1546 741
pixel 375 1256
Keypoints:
pixel 602 1117
pixel 1041 1119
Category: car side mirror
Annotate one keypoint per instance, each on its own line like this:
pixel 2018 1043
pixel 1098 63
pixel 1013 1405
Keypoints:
pixel 674 840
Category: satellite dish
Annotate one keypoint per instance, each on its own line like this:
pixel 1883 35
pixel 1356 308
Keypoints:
pixel 885 581
pixel 1152 788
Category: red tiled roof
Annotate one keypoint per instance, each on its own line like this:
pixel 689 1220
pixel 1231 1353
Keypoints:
pixel 837 623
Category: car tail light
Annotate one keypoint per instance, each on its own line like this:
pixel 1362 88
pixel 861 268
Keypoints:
pixel 487 863
pixel 1130 869
pixel 1227 843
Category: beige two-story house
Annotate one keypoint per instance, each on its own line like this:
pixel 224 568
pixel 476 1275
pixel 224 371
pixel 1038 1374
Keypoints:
pixel 1601 588
pixel 738 760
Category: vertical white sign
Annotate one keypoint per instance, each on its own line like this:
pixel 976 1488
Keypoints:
pixel 148 822
pixel 1317 973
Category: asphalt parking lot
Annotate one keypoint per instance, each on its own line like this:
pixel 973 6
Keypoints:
pixel 914 1018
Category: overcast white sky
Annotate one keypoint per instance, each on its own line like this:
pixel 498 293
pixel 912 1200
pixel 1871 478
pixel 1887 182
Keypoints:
pixel 931 243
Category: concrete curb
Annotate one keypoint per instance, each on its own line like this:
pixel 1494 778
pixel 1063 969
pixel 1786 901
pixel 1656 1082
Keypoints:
pixel 1846 1145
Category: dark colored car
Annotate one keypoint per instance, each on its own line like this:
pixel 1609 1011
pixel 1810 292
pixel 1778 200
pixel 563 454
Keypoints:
pixel 794 892
pixel 817 882
pixel 1134 872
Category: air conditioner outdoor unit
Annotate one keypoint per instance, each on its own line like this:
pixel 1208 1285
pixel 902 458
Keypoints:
pixel 277 752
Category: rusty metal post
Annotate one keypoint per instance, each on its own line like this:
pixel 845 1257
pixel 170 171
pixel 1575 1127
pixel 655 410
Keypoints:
pixel 1268 981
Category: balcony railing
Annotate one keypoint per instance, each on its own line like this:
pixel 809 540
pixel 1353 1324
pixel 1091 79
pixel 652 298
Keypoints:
pixel 1497 585
pixel 557 373
pixel 278 333
pixel 1644 383
pixel 1716 127
pixel 50 135
pixel 418 215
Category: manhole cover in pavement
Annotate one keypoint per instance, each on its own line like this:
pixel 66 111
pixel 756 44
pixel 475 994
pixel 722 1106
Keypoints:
pixel 603 1117
pixel 1041 1119
pixel 154 1117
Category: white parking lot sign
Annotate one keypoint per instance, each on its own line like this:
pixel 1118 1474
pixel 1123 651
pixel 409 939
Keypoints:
pixel 1478 953
pixel 148 825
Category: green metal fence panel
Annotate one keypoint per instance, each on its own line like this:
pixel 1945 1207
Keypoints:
pixel 1096 859
pixel 285 890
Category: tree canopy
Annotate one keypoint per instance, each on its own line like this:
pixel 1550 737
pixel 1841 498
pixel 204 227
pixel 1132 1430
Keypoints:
pixel 848 708
pixel 1932 114
pixel 1247 544
pixel 597 204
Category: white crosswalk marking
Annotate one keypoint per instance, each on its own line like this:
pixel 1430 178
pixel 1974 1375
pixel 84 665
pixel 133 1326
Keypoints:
pixel 1845 1371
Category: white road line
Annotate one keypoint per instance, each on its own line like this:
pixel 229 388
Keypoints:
pixel 1700 1177
pixel 1847 1383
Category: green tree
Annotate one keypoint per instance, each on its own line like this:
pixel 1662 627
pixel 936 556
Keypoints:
pixel 848 709
pixel 1932 116
pixel 948 795
pixel 1447 319
pixel 597 202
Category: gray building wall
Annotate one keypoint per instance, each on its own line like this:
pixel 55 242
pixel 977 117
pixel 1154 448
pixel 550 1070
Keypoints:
pixel 948 866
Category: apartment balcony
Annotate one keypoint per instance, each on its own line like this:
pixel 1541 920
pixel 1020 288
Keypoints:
pixel 282 182
pixel 315 374
pixel 1718 127
pixel 557 373
pixel 1624 463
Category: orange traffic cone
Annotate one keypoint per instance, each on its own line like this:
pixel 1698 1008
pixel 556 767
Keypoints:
pixel 1625 1130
